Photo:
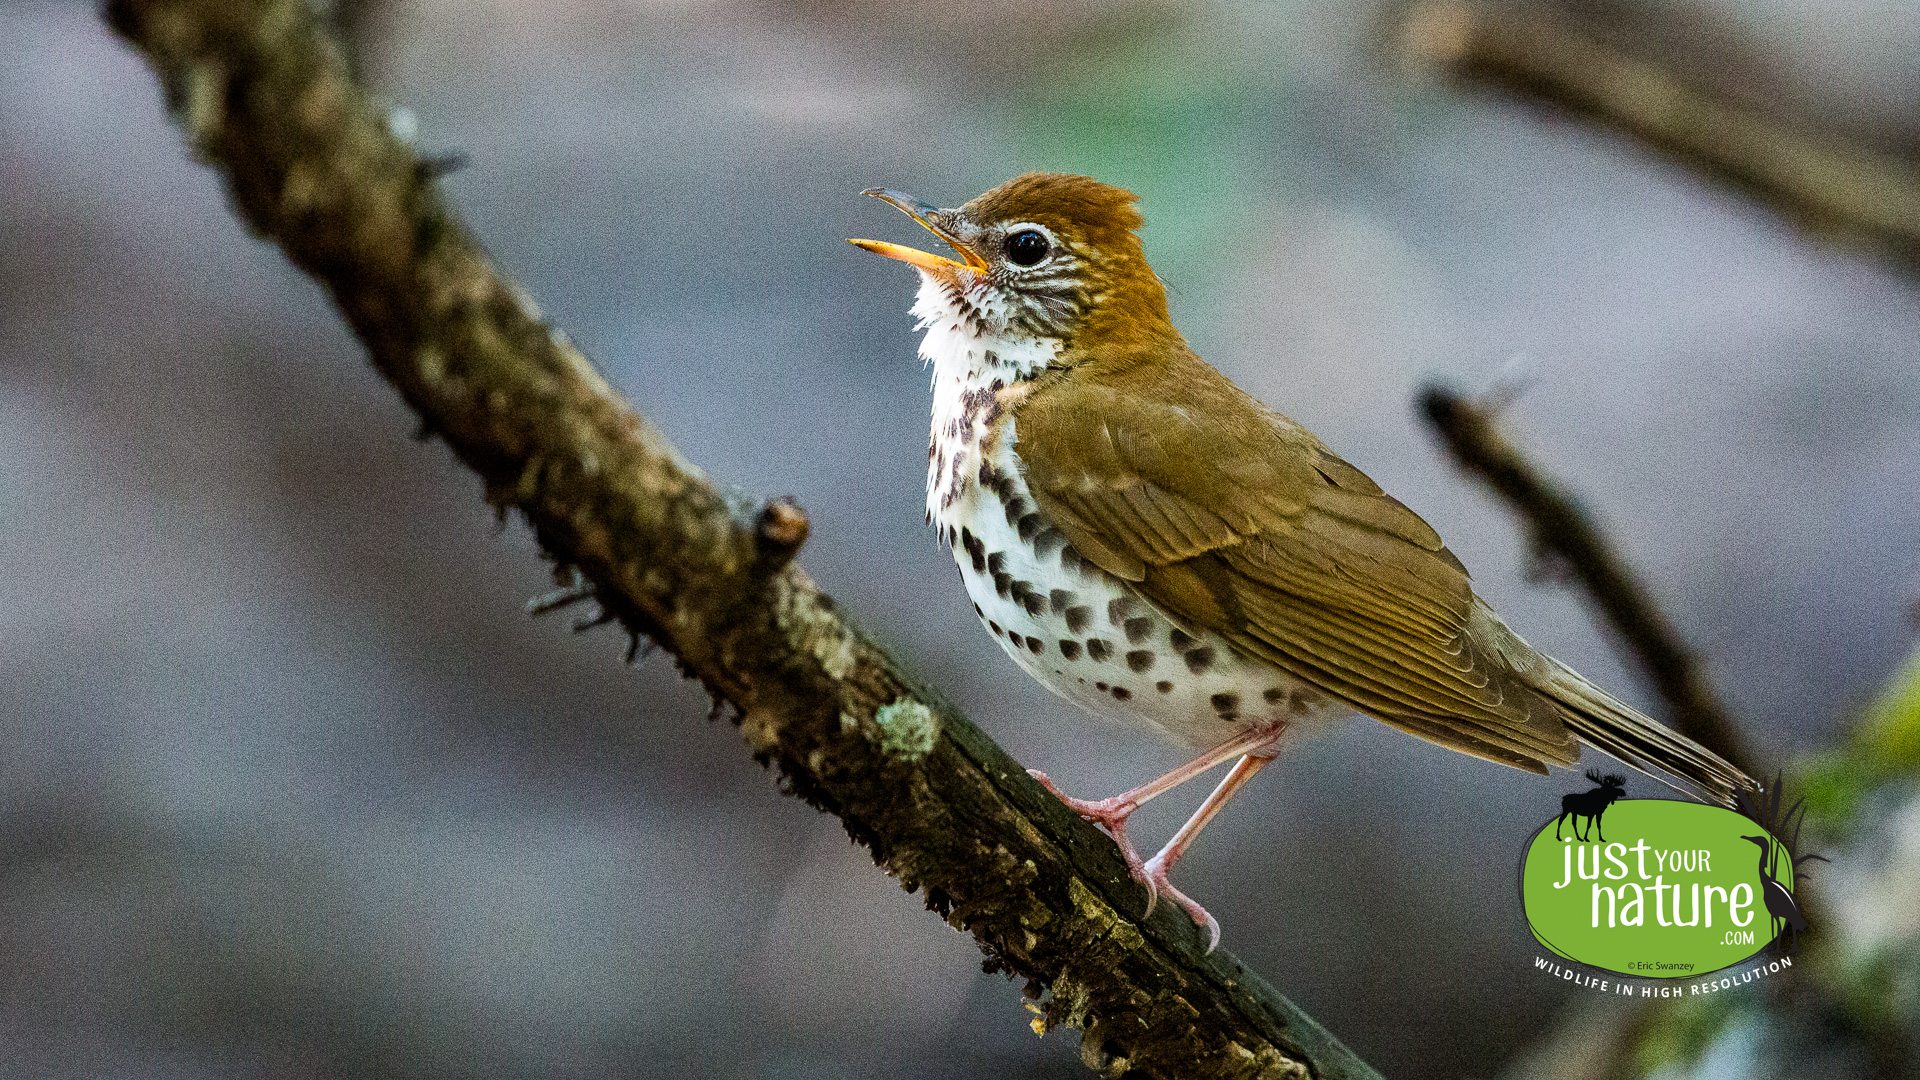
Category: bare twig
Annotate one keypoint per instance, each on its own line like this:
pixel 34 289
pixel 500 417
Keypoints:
pixel 1820 182
pixel 266 98
pixel 1559 526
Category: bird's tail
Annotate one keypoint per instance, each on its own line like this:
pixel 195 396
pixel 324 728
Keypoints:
pixel 1603 722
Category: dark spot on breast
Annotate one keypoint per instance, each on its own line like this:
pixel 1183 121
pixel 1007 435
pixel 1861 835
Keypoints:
pixel 1138 628
pixel 996 562
pixel 1017 508
pixel 930 448
pixel 1275 694
pixel 1004 486
pixel 1069 649
pixel 1058 600
pixel 1121 693
pixel 1140 659
pixel 991 357
pixel 979 406
pixel 1099 650
pixel 977 611
pixel 1069 559
pixel 1002 583
pixel 993 626
pixel 976 549
pixel 1079 618
pixel 987 475
pixel 1119 609
pixel 1034 645
pixel 1181 640
pixel 1199 659
pixel 1100 686
pixel 1163 686
pixel 1029 526
pixel 1035 603
pixel 1225 704
pixel 1049 541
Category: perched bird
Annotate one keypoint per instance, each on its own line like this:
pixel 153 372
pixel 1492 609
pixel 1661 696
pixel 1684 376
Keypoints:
pixel 1152 543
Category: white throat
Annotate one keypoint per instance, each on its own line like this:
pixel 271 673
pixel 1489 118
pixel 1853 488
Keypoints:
pixel 974 355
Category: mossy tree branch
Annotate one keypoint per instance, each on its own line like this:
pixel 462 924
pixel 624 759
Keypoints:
pixel 266 97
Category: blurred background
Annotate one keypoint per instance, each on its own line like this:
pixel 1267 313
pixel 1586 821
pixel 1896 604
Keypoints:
pixel 291 786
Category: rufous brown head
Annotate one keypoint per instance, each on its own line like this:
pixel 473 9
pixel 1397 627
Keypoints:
pixel 1048 254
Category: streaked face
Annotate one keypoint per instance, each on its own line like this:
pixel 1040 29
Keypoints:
pixel 1015 274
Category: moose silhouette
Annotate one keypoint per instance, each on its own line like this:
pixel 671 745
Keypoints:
pixel 1590 804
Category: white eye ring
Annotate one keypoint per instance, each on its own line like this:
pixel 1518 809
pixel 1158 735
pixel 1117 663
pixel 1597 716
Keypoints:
pixel 1028 244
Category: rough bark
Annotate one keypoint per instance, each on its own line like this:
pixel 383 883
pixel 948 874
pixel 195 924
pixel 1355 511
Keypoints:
pixel 266 97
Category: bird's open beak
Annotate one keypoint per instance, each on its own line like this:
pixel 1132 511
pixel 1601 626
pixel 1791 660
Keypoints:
pixel 925 215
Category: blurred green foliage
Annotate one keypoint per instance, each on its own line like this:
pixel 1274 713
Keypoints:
pixel 1883 745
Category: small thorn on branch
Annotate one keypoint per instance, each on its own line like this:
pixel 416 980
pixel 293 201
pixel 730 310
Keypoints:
pixel 548 603
pixel 435 166
pixel 638 645
pixel 588 622
pixel 1517 376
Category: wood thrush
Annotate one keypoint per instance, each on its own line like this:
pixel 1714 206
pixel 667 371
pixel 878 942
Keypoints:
pixel 1152 543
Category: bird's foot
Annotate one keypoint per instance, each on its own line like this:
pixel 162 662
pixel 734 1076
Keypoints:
pixel 1111 816
pixel 1156 882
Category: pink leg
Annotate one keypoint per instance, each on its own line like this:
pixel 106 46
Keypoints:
pixel 1111 814
pixel 1156 868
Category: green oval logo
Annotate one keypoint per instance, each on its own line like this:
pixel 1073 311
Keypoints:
pixel 1657 889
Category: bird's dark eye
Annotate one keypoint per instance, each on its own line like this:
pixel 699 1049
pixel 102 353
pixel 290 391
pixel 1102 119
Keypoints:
pixel 1027 247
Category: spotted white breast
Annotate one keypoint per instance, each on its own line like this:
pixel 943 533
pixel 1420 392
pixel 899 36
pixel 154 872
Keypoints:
pixel 1080 631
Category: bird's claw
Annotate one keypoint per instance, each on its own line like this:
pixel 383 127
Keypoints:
pixel 1111 816
pixel 1153 875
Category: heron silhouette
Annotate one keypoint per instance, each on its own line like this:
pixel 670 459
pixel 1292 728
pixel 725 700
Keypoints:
pixel 1778 898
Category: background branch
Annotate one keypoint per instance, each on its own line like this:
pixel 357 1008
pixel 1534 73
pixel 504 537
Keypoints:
pixel 1821 182
pixel 265 96
pixel 1559 527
